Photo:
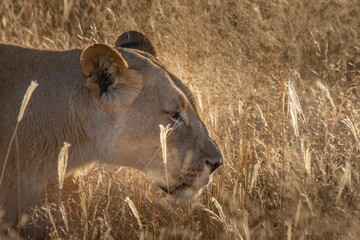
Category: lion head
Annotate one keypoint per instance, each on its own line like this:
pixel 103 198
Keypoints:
pixel 135 94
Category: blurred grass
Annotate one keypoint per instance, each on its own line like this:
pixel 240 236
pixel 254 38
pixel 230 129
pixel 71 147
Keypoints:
pixel 239 58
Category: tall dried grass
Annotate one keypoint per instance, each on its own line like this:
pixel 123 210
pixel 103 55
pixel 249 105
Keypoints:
pixel 33 85
pixel 246 61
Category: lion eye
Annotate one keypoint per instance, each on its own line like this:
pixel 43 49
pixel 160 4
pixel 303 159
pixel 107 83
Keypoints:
pixel 176 117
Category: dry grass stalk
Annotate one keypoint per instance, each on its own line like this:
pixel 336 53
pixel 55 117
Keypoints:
pixel 134 211
pixel 298 214
pixel 84 208
pixel 64 216
pixel 164 131
pixel 293 114
pixel 221 212
pixel 283 136
pixel 289 231
pixel 309 203
pixel 262 115
pixel 345 181
pixel 255 175
pixel 47 209
pixel 307 161
pixel 33 85
pixel 352 128
pixel 295 100
pixel 62 163
pixel 246 225
pixel 327 94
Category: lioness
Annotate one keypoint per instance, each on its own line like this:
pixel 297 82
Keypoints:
pixel 108 102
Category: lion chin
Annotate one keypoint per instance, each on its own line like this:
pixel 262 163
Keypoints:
pixel 184 191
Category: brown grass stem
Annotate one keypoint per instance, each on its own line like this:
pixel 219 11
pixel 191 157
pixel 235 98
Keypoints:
pixel 23 106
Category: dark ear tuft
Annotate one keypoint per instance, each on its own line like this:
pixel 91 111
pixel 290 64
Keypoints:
pixel 135 40
pixel 105 80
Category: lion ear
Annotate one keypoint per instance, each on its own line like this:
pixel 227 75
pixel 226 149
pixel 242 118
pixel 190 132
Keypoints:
pixel 135 40
pixel 102 67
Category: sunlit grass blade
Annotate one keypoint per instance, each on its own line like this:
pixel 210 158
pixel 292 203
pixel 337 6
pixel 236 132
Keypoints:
pixel 23 106
pixel 62 163
pixel 164 131
pixel 134 211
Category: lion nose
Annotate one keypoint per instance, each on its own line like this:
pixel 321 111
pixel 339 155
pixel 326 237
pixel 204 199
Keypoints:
pixel 213 154
pixel 214 164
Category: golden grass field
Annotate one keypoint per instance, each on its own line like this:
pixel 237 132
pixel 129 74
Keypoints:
pixel 278 84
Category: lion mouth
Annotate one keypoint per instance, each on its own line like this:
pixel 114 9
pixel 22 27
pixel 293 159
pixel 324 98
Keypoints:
pixel 185 190
pixel 172 190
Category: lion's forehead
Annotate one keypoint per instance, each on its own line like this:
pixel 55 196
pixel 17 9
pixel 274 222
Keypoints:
pixel 148 63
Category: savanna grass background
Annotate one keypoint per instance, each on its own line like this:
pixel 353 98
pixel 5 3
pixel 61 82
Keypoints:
pixel 277 83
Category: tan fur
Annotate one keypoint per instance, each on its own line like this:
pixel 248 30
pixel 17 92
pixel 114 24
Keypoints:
pixel 118 126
